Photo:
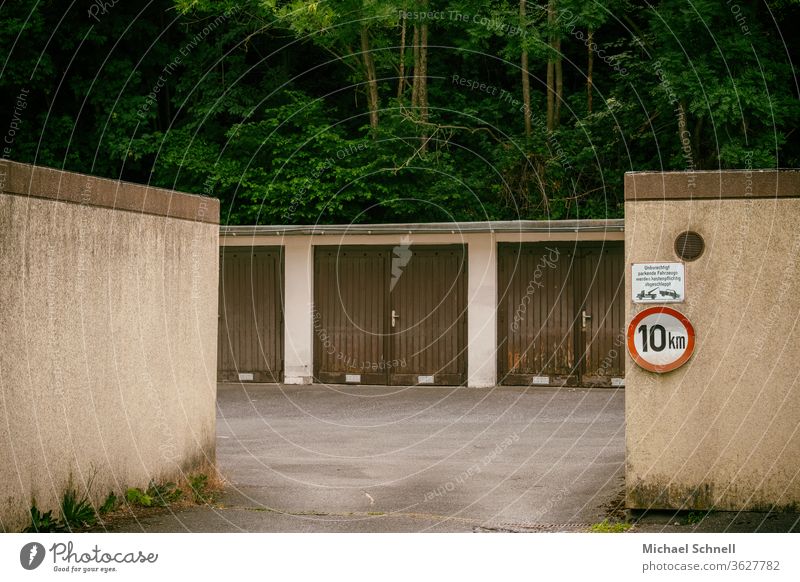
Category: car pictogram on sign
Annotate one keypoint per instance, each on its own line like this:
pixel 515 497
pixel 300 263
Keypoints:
pixel 649 294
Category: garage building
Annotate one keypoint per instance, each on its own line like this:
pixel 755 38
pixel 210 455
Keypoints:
pixel 475 304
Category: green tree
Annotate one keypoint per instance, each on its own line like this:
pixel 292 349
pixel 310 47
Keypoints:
pixel 337 111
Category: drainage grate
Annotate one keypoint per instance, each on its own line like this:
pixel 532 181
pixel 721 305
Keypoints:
pixel 533 527
pixel 689 245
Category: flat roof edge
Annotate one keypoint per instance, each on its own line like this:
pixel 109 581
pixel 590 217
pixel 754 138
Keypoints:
pixel 523 226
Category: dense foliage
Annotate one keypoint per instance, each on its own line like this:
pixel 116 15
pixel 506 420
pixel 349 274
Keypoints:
pixel 293 111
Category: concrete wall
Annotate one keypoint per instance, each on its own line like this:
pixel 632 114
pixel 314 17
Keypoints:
pixel 298 326
pixel 722 431
pixel 481 310
pixel 109 330
pixel 481 285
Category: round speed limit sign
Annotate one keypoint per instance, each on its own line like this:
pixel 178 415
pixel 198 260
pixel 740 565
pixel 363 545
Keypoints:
pixel 660 339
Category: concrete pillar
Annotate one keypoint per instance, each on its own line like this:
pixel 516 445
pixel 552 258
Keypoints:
pixel 482 310
pixel 298 322
pixel 722 430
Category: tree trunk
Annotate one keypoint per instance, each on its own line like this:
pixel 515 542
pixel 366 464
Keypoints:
pixel 559 83
pixel 550 94
pixel 423 82
pixel 415 76
pixel 590 67
pixel 550 67
pixel 698 130
pixel 401 81
pixel 423 71
pixel 683 126
pixel 526 83
pixel 372 79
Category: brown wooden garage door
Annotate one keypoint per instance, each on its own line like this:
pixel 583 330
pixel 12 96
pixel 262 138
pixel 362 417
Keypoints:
pixel 250 343
pixel 390 315
pixel 561 314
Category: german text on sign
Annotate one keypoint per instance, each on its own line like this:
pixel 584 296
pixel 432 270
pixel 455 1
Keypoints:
pixel 658 283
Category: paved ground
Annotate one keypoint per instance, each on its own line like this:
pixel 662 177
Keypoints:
pixel 321 458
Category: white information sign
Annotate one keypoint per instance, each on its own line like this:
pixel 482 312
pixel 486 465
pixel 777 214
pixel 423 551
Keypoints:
pixel 658 283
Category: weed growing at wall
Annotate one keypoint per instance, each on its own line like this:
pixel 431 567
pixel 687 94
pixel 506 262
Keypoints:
pixel 607 526
pixel 77 513
pixel 155 495
pixel 43 522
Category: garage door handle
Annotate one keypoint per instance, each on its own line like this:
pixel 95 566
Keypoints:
pixel 584 319
pixel 394 317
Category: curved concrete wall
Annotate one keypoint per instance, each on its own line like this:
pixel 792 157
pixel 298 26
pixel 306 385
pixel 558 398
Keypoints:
pixel 723 431
pixel 108 344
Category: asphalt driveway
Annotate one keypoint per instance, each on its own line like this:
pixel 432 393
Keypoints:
pixel 343 458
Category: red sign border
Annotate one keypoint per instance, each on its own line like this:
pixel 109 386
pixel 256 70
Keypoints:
pixel 660 369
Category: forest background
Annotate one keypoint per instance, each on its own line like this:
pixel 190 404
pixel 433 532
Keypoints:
pixel 298 112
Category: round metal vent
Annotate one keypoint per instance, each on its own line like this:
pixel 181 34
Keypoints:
pixel 689 245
